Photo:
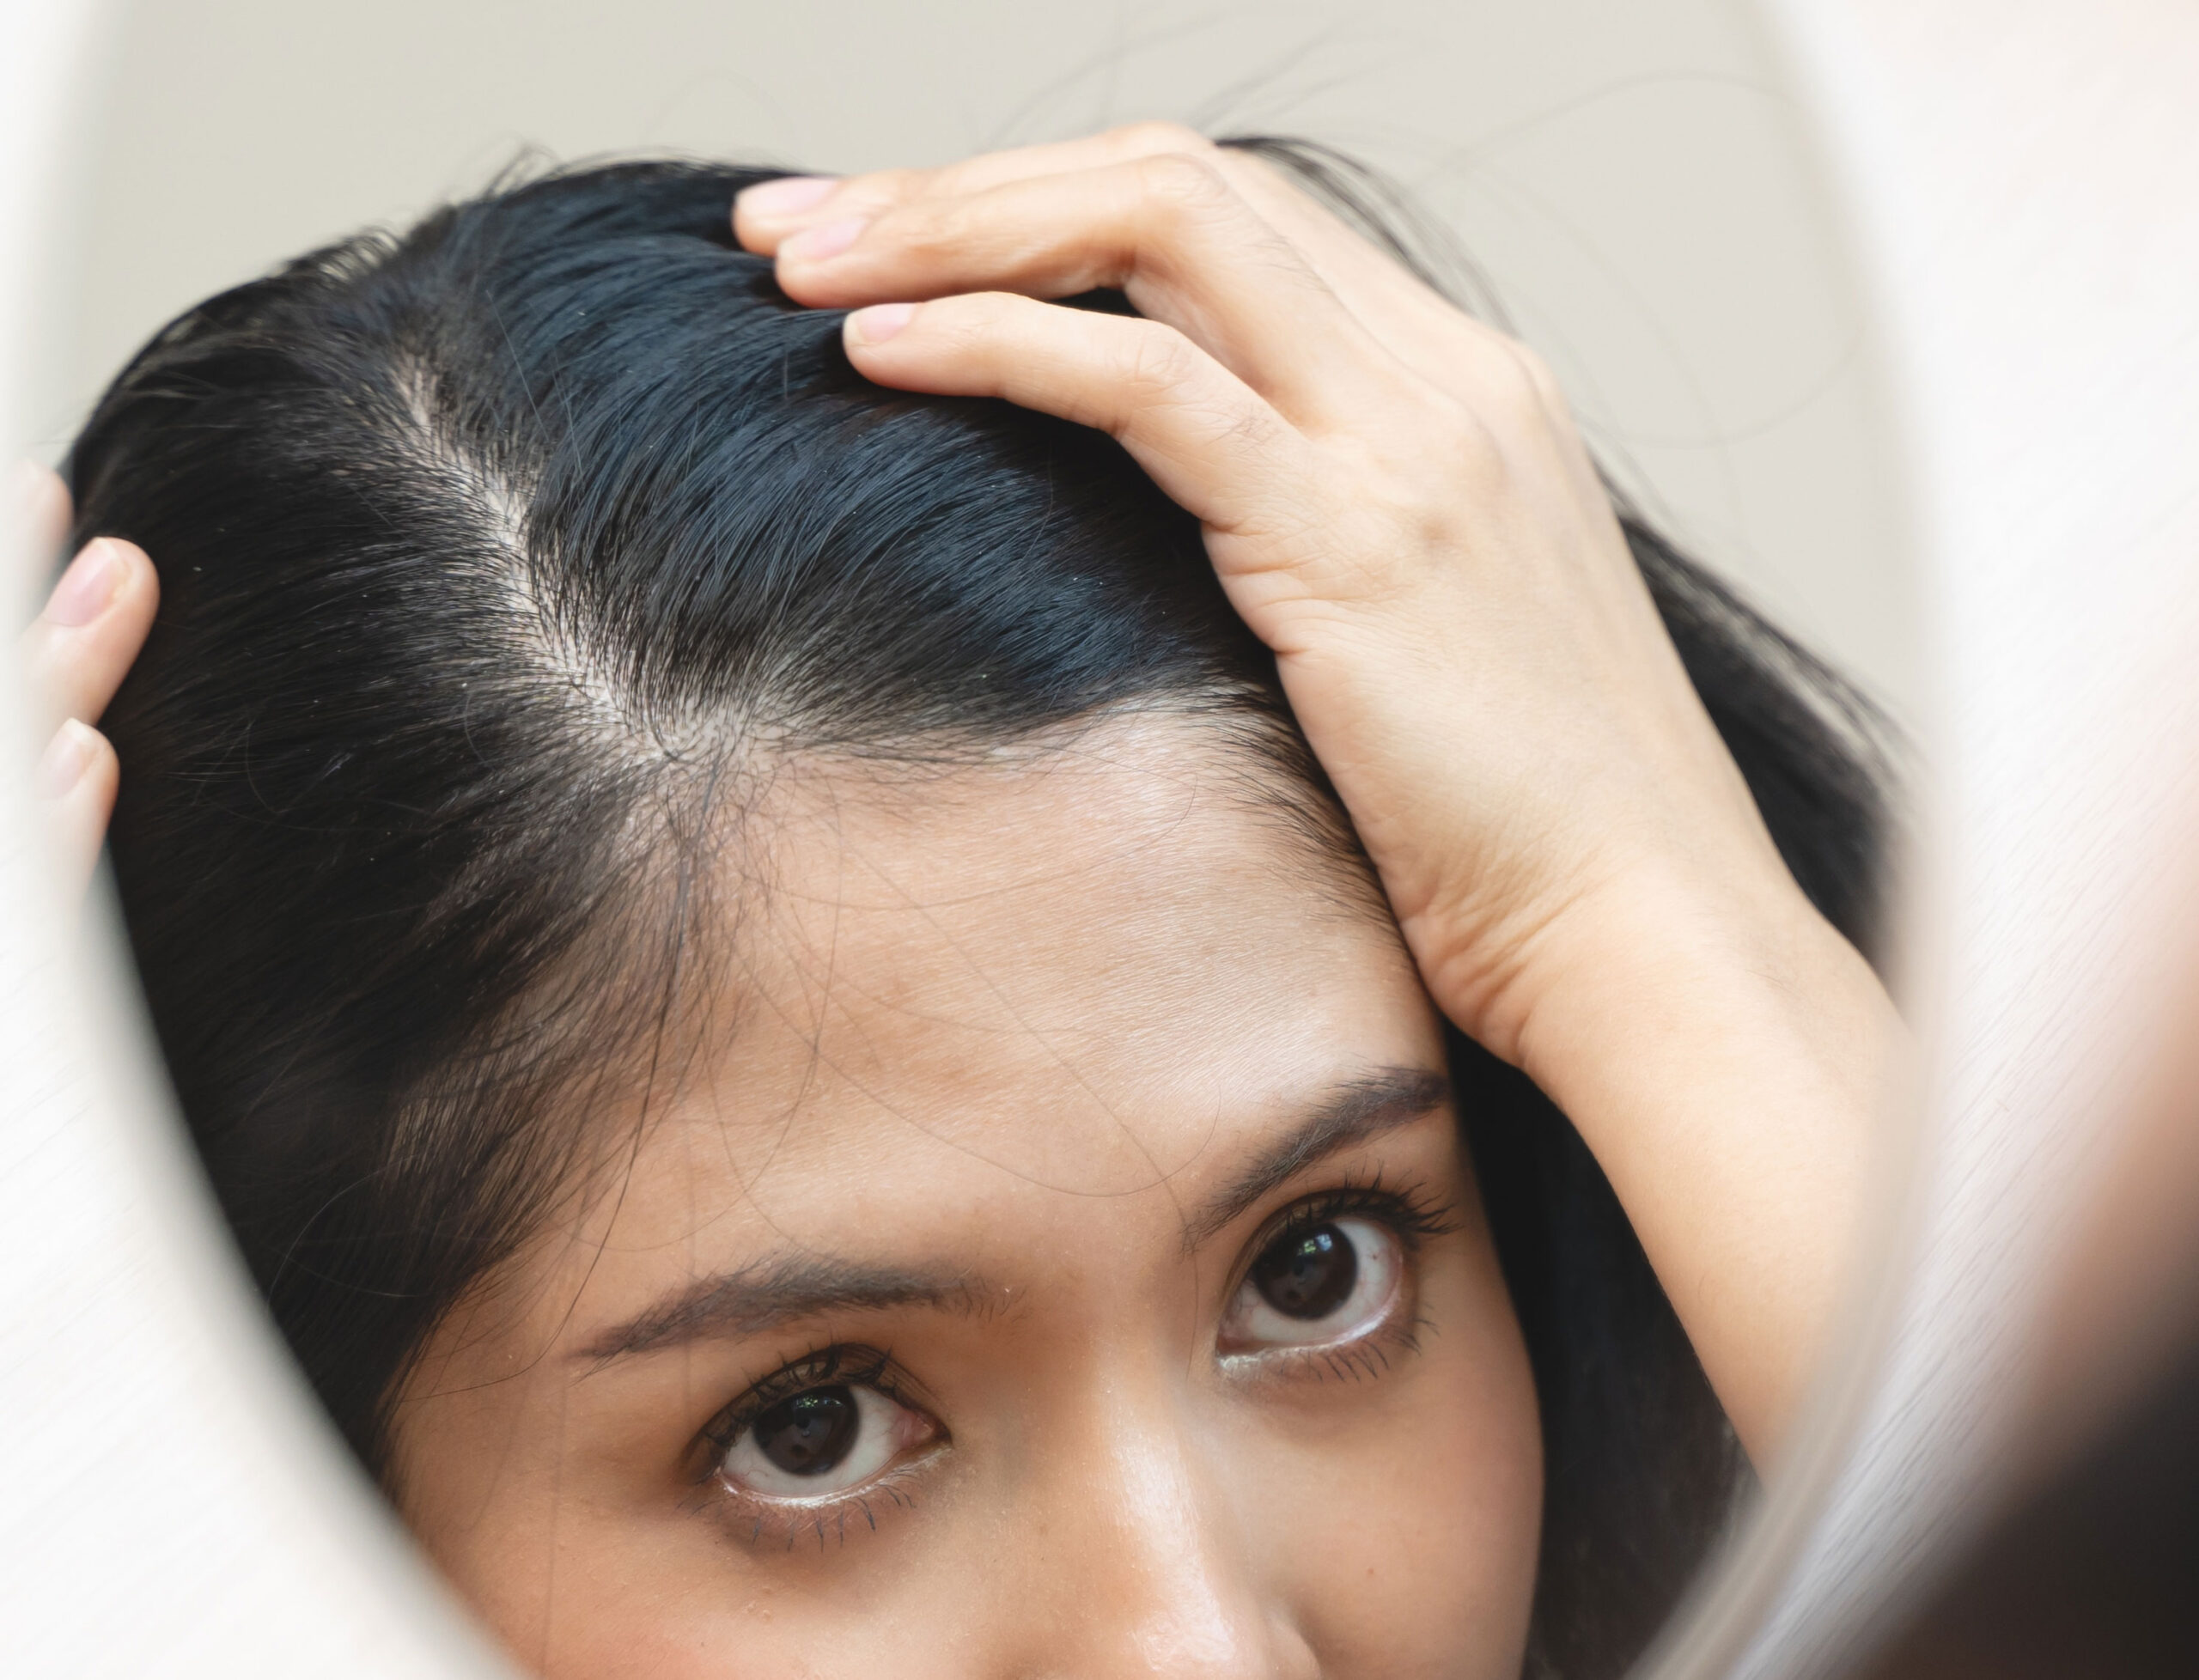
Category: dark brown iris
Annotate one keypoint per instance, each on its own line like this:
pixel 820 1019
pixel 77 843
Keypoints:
pixel 809 1433
pixel 1307 1273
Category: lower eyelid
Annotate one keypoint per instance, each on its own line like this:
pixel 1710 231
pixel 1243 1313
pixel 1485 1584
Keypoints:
pixel 1370 1355
pixel 768 1523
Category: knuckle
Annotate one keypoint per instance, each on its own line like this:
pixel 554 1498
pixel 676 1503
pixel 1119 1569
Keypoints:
pixel 1181 184
pixel 990 312
pixel 1526 386
pixel 966 323
pixel 1149 139
pixel 1463 449
pixel 1467 438
pixel 900 183
pixel 882 189
pixel 1532 364
pixel 928 232
pixel 1160 361
pixel 1240 166
pixel 1446 427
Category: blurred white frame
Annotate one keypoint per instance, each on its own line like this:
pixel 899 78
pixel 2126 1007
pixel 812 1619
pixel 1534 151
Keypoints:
pixel 2018 173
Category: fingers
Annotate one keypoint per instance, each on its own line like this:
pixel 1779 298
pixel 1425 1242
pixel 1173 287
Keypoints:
pixel 767 213
pixel 1367 281
pixel 1467 359
pixel 873 225
pixel 94 623
pixel 1213 443
pixel 77 778
pixel 1168 230
pixel 1410 319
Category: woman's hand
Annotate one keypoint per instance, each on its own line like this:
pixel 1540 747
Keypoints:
pixel 1393 495
pixel 76 655
pixel 1396 499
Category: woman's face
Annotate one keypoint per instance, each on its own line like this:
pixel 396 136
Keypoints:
pixel 1059 1258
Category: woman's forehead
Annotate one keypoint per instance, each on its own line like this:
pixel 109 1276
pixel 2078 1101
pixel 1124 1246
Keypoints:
pixel 1145 881
pixel 1077 973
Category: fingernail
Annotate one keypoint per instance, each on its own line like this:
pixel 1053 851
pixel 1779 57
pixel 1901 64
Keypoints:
pixel 87 587
pixel 827 238
pixel 879 322
pixel 61 766
pixel 789 195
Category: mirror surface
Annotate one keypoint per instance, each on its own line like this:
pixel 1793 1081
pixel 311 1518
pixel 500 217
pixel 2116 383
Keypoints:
pixel 1634 186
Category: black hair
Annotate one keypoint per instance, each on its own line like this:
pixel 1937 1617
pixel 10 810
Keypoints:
pixel 492 553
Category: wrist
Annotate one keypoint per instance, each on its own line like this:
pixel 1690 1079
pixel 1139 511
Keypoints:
pixel 1645 941
pixel 1725 1055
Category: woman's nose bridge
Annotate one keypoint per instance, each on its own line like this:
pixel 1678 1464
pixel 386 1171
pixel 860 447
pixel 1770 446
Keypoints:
pixel 1149 1572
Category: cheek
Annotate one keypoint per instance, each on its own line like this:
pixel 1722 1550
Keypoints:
pixel 1410 1533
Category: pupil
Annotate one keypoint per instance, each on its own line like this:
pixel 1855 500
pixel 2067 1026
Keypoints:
pixel 809 1433
pixel 1308 1275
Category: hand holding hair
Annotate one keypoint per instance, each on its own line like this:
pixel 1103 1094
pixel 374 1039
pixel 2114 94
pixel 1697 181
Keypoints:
pixel 1398 502
pixel 76 652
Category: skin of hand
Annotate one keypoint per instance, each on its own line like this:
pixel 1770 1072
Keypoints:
pixel 74 656
pixel 1397 500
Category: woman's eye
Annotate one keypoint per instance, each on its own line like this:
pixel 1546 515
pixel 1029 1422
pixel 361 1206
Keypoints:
pixel 1314 1284
pixel 822 1441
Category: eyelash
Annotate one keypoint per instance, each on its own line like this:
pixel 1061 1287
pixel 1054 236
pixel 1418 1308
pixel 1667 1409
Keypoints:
pixel 1408 1209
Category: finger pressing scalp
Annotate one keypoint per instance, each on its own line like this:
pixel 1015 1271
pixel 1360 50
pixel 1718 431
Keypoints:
pixel 1166 229
pixel 1210 441
pixel 767 213
pixel 90 586
pixel 873 325
pixel 78 775
pixel 94 625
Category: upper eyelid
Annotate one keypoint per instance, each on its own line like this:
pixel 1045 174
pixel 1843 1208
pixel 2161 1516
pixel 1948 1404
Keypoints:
pixel 876 1368
pixel 1373 1198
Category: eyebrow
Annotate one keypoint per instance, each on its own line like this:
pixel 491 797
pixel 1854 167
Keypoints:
pixel 777 1292
pixel 1350 1115
pixel 787 1289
